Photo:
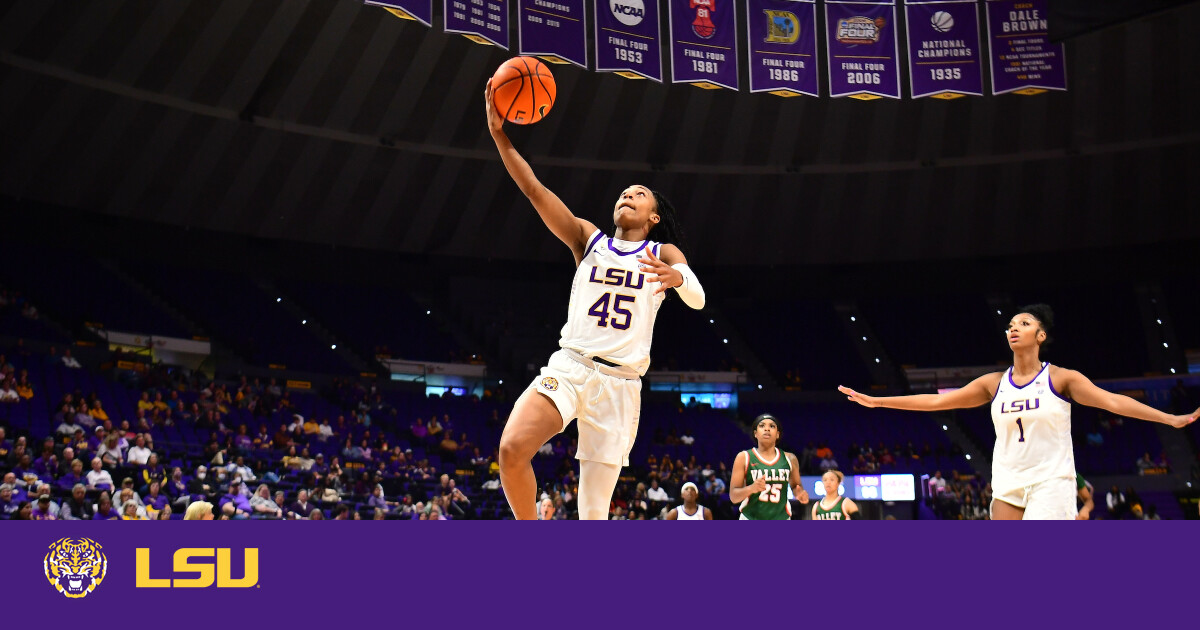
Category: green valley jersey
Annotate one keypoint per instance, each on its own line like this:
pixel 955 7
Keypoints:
pixel 770 504
pixel 832 514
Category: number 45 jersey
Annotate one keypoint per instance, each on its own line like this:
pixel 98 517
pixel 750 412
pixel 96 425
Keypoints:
pixel 613 306
pixel 1033 433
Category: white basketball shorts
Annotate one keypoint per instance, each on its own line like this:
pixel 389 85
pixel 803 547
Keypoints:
pixel 1049 500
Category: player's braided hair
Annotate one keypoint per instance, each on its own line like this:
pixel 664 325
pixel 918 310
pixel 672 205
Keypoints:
pixel 668 229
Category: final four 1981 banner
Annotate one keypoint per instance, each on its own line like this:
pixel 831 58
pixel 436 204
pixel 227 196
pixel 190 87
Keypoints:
pixel 782 46
pixel 555 30
pixel 1023 59
pixel 943 48
pixel 627 38
pixel 704 43
pixel 417 10
pixel 863 56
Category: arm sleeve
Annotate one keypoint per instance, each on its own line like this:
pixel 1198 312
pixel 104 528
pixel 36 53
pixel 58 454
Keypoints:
pixel 691 291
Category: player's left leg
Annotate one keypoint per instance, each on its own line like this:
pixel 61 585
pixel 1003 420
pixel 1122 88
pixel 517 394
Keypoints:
pixel 1052 500
pixel 597 480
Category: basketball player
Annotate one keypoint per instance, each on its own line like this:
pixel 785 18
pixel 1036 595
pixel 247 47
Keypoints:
pixel 1033 465
pixel 833 506
pixel 1084 492
pixel 690 510
pixel 772 470
pixel 620 281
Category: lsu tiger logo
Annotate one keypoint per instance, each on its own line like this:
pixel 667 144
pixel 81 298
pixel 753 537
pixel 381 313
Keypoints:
pixel 75 566
pixel 550 383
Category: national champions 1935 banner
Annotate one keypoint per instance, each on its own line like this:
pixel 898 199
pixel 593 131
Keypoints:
pixel 943 48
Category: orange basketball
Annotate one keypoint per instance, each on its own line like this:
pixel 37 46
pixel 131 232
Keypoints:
pixel 523 90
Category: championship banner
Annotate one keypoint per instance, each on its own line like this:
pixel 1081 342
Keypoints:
pixel 1023 59
pixel 943 48
pixel 481 21
pixel 782 45
pixel 416 10
pixel 863 52
pixel 555 30
pixel 704 43
pixel 627 39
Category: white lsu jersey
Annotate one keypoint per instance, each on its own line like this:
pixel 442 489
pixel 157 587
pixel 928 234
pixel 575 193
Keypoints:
pixel 681 515
pixel 1033 433
pixel 612 309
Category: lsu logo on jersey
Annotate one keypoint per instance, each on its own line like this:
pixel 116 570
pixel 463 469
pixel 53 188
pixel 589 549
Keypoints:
pixel 1018 406
pixel 617 277
pixel 75 566
pixel 206 572
pixel 703 25
pixel 550 383
pixel 860 30
pixel 782 27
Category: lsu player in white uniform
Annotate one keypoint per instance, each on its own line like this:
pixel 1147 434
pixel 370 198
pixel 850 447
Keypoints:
pixel 1033 463
pixel 620 282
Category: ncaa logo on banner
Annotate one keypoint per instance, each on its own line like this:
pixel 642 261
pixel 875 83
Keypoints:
pixel 75 566
pixel 627 12
pixel 782 27
pixel 860 30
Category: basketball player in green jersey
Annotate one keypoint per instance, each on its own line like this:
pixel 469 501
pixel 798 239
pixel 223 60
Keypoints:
pixel 1084 491
pixel 833 506
pixel 770 471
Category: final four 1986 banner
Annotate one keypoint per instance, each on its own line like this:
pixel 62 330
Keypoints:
pixel 863 55
pixel 943 48
pixel 1023 59
pixel 481 21
pixel 417 10
pixel 555 30
pixel 627 38
pixel 782 45
pixel 704 43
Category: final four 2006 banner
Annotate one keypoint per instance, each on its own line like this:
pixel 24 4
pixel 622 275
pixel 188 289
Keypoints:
pixel 863 56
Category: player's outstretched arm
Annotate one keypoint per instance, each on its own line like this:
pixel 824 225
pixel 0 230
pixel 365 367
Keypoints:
pixel 738 490
pixel 1081 389
pixel 978 392
pixel 672 272
pixel 566 226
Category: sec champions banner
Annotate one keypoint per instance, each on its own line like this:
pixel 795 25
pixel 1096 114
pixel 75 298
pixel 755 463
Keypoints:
pixel 1023 59
pixel 555 30
pixel 943 48
pixel 481 21
pixel 704 43
pixel 627 39
pixel 863 54
pixel 416 10
pixel 781 40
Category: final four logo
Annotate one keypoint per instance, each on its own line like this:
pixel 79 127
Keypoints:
pixel 75 566
pixel 703 25
pixel 782 27
pixel 859 30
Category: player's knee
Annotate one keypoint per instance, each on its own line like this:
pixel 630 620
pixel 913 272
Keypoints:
pixel 513 452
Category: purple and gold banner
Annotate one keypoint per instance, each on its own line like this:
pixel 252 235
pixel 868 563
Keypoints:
pixel 782 45
pixel 627 40
pixel 416 10
pixel 555 30
pixel 863 54
pixel 1023 59
pixel 943 48
pixel 704 43
pixel 481 21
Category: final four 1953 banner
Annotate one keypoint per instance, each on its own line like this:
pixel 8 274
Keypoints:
pixel 704 43
pixel 416 10
pixel 943 48
pixel 1023 59
pixel 782 36
pixel 555 30
pixel 863 55
pixel 627 38
pixel 482 21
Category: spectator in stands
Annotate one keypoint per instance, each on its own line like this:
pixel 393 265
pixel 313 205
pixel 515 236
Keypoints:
pixel 69 360
pixel 199 511
pixel 163 514
pixel 154 500
pixel 201 487
pixel 68 426
pixel 129 512
pixel 1116 502
pixel 8 505
pixel 301 508
pixel 110 451
pixel 324 431
pixel 241 506
pixel 1144 462
pixel 937 484
pixel 99 478
pixel 76 508
pixel 8 391
pixel 104 509
pixel 5 445
pixel 291 460
pixel 154 471
pixel 419 430
pixel 715 486
pixel 42 510
pixel 378 500
pixel 24 387
pixel 24 512
pixel 282 438
pixel 261 504
pixel 828 463
pixel 655 493
pixel 176 488
pixel 74 476
pixel 138 454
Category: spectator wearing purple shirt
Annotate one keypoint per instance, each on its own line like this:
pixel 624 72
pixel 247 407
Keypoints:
pixel 8 506
pixel 42 511
pixel 154 500
pixel 301 508
pixel 104 509
pixel 234 496
pixel 419 430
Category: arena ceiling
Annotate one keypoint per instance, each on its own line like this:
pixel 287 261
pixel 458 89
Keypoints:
pixel 332 122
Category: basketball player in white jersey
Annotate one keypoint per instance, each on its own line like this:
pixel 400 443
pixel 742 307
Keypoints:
pixel 620 281
pixel 690 510
pixel 1033 464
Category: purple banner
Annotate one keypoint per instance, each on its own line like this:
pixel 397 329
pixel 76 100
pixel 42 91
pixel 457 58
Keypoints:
pixel 782 44
pixel 863 54
pixel 417 10
pixel 627 39
pixel 943 48
pixel 481 21
pixel 704 43
pixel 1023 59
pixel 555 30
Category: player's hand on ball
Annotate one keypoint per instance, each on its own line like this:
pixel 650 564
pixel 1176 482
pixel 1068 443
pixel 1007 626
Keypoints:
pixel 494 119
pixel 665 274
pixel 861 399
